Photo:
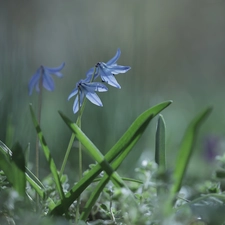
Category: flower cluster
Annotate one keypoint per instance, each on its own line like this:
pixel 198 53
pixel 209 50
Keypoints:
pixel 85 88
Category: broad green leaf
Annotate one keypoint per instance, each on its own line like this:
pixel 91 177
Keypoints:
pixel 128 140
pixel 184 154
pixel 7 167
pixel 48 156
pixel 18 170
pixel 5 161
pixel 13 165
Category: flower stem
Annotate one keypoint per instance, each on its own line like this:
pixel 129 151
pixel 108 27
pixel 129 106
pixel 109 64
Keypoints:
pixel 69 147
pixel 37 139
pixel 80 160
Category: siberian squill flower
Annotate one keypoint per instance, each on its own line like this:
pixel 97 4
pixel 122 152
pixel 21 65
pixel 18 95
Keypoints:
pixel 86 89
pixel 43 77
pixel 107 71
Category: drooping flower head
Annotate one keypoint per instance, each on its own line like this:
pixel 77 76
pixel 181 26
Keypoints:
pixel 43 77
pixel 107 71
pixel 86 89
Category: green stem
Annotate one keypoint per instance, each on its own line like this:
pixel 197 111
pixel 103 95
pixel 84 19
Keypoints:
pixel 67 154
pixel 78 122
pixel 72 138
pixel 80 160
pixel 37 139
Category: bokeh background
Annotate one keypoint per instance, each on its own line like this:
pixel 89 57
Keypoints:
pixel 176 50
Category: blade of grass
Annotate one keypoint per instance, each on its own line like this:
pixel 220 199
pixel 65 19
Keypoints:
pixel 36 187
pixel 48 156
pixel 94 152
pixel 123 178
pixel 160 153
pixel 129 139
pixel 184 155
pixel 99 188
pixel 160 150
pixel 35 179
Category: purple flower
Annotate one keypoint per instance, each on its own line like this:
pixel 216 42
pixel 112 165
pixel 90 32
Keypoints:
pixel 43 77
pixel 86 89
pixel 211 147
pixel 107 71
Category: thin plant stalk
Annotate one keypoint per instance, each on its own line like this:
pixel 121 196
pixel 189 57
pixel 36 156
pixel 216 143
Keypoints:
pixel 80 160
pixel 37 151
pixel 72 138
pixel 78 122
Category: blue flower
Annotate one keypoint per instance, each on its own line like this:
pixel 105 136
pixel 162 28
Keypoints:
pixel 107 71
pixel 43 77
pixel 86 89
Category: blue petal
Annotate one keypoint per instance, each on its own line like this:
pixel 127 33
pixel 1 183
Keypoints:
pixel 58 74
pixel 111 80
pixel 104 70
pixel 93 97
pixel 75 105
pixel 82 96
pixel 119 69
pixel 90 72
pixel 73 93
pixel 95 86
pixel 34 81
pixel 115 58
pixel 100 87
pixel 37 87
pixel 55 70
pixel 48 82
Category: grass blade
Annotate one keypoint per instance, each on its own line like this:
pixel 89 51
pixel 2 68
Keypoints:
pixel 48 156
pixel 128 140
pixel 94 152
pixel 99 188
pixel 160 151
pixel 184 154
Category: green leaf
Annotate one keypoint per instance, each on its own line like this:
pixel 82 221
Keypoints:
pixel 6 157
pixel 13 165
pixel 18 170
pixel 185 153
pixel 36 184
pixel 94 152
pixel 160 150
pixel 48 156
pixel 99 188
pixel 127 141
pixel 5 161
pixel 123 178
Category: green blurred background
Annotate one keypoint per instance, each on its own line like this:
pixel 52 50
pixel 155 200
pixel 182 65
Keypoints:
pixel 176 50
